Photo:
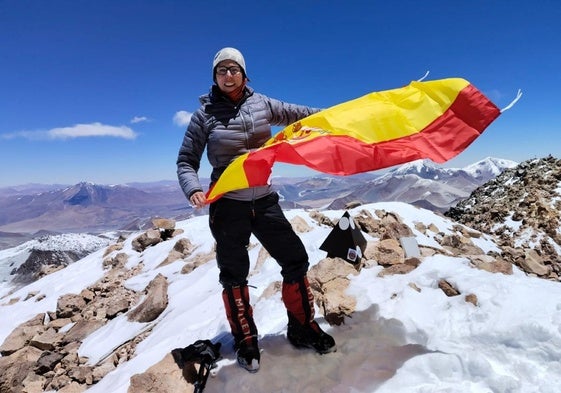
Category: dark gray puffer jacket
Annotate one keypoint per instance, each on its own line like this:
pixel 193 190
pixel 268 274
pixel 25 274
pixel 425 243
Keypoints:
pixel 227 131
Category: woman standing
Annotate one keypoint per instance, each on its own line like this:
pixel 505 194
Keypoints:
pixel 233 120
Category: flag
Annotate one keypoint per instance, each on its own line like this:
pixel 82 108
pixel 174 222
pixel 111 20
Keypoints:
pixel 433 119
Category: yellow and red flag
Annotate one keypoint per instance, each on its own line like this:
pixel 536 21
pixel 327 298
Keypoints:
pixel 433 119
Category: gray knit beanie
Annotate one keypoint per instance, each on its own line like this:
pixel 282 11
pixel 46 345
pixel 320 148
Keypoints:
pixel 228 54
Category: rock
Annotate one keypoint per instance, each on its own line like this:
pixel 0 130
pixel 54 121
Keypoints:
pixel 116 306
pixel 113 247
pixel 73 387
pixel 521 209
pixel 15 368
pixel 448 288
pixel 47 361
pixel 321 218
pixel 396 230
pixel 400 268
pixel 352 204
pixel 102 370
pixel 47 340
pixel 533 263
pixel 196 261
pixel 68 305
pixel 182 249
pixel 490 264
pixel 82 329
pixel 33 383
pixel 163 377
pixel 118 261
pixel 273 288
pixel 163 223
pixel 300 225
pixel 329 281
pixel 472 298
pixel 155 303
pixel 389 252
pixel 22 335
pixel 147 239
pixel 414 286
pixel 460 245
pixel 81 374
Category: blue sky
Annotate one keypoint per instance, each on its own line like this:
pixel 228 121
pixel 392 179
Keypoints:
pixel 94 90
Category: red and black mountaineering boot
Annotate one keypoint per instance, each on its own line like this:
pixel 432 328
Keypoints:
pixel 240 317
pixel 303 331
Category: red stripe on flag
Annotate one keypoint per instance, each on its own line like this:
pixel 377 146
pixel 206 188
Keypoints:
pixel 443 139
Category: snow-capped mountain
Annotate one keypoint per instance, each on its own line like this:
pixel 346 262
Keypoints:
pixel 24 263
pixel 489 168
pixel 87 207
pixel 425 184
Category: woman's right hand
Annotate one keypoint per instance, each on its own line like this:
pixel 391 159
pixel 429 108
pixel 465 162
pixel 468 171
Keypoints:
pixel 198 199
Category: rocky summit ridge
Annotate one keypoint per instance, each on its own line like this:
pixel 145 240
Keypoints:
pixel 521 208
pixel 518 212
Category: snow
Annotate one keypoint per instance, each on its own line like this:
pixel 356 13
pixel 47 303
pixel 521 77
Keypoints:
pixel 512 225
pixel 490 164
pixel 79 243
pixel 398 340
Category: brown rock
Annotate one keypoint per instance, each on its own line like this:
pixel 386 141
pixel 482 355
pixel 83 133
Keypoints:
pixel 113 247
pixel 300 225
pixel 414 286
pixel 147 239
pixel 329 281
pixel 21 335
pixel 69 305
pixel 116 306
pixel 73 387
pixel 81 374
pixel 184 246
pixel 447 288
pixel 163 223
pixel 102 370
pixel 163 377
pixel 533 263
pixel 155 303
pixel 47 362
pixel 400 268
pixel 16 367
pixel 82 329
pixel 118 261
pixel 172 257
pixel 33 383
pixel 389 252
pixel 472 298
pixel 47 340
pixel 490 264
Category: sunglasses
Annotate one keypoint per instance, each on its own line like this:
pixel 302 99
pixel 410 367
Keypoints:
pixel 234 70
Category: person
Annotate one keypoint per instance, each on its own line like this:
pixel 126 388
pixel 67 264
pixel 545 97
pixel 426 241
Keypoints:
pixel 234 119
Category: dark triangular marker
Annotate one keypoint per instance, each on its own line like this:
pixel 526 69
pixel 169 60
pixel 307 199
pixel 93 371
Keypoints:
pixel 345 241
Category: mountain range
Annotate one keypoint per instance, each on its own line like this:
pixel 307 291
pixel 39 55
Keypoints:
pixel 33 210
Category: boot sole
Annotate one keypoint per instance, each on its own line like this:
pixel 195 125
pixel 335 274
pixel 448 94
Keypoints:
pixel 252 368
pixel 309 346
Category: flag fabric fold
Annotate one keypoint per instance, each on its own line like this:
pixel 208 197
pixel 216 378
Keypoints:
pixel 433 119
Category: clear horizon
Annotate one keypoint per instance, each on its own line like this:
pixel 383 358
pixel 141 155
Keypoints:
pixel 102 91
